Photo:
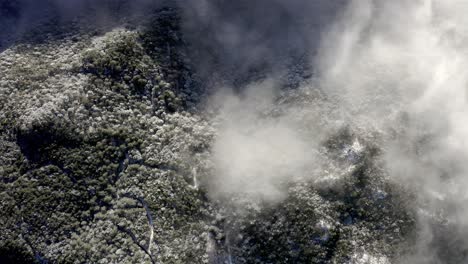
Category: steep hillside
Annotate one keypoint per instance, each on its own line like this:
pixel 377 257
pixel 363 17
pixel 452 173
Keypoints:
pixel 135 141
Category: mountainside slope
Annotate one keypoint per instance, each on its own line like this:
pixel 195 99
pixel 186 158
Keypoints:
pixel 112 151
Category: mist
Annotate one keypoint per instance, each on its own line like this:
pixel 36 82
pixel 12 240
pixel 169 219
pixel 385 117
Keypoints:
pixel 394 68
pixel 400 67
pixel 257 154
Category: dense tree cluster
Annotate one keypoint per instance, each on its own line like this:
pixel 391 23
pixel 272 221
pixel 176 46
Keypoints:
pixel 93 139
pixel 358 216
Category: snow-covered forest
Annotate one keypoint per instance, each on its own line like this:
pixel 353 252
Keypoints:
pixel 215 131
